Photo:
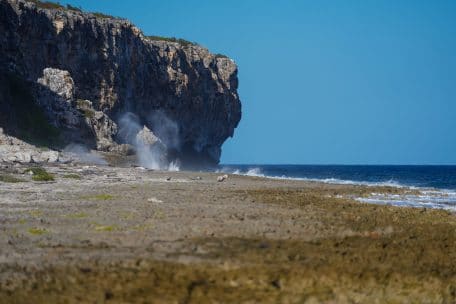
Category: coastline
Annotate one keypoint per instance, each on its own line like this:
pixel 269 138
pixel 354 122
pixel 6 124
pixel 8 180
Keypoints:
pixel 126 234
pixel 425 191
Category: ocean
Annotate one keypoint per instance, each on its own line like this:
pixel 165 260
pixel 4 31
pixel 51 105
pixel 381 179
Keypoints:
pixel 436 184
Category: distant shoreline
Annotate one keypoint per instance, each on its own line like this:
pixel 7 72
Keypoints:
pixel 429 186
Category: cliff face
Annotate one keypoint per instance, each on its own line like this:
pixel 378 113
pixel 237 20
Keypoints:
pixel 112 68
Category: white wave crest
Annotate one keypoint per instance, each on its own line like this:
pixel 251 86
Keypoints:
pixel 432 199
pixel 249 172
pixel 426 197
pixel 173 166
pixel 254 172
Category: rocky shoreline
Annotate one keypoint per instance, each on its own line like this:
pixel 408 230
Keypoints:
pixel 100 233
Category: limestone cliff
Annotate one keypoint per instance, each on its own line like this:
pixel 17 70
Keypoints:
pixel 86 70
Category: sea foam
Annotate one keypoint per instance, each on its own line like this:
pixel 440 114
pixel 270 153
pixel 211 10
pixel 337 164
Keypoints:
pixel 426 197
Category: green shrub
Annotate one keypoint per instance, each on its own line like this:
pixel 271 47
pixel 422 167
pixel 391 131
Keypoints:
pixel 37 231
pixel 107 228
pixel 10 179
pixel 220 56
pixel 99 197
pixel 89 113
pixel 83 104
pixel 79 215
pixel 72 175
pixel 57 5
pixel 73 8
pixel 40 174
pixel 47 4
pixel 103 16
pixel 85 107
pixel 181 41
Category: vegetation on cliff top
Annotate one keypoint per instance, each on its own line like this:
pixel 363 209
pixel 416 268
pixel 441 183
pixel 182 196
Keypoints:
pixel 220 56
pixel 57 5
pixel 181 41
pixel 47 4
pixel 85 107
pixel 171 39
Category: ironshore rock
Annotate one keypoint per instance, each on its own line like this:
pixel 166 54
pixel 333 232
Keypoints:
pixel 86 70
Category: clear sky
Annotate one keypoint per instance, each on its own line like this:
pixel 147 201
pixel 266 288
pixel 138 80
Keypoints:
pixel 325 82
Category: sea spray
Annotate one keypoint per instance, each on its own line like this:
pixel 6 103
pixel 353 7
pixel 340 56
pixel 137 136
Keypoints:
pixel 84 155
pixel 150 150
pixel 165 129
pixel 151 146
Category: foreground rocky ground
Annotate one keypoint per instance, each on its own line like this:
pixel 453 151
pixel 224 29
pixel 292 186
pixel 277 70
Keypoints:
pixel 127 235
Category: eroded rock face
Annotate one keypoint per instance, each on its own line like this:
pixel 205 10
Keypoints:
pixel 56 97
pixel 114 66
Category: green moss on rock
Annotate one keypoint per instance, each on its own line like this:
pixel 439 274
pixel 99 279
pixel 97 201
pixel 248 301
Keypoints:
pixel 40 174
pixel 10 179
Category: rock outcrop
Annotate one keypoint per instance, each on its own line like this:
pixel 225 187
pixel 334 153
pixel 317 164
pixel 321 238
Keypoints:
pixel 86 70
pixel 15 150
pixel 146 137
pixel 56 96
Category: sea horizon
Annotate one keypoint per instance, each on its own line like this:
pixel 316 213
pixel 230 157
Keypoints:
pixel 336 164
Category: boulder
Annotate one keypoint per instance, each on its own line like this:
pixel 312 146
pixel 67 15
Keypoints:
pixel 50 156
pixel 123 149
pixel 146 137
pixel 222 178
pixel 104 129
pixel 59 82
pixel 23 157
pixel 56 98
pixel 15 150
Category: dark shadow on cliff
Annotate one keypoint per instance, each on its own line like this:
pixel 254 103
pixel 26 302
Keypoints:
pixel 22 117
pixel 31 43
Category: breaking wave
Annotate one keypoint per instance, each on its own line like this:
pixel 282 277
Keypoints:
pixel 433 199
pixel 257 172
pixel 422 197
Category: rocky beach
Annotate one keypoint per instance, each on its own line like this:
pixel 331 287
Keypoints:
pixel 110 234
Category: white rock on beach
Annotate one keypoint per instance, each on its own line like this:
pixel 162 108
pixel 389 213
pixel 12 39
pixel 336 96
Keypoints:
pixel 222 178
pixel 51 156
pixel 154 200
pixel 146 137
pixel 23 157
pixel 13 149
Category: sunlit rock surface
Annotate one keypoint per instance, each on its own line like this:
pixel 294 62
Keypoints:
pixel 110 63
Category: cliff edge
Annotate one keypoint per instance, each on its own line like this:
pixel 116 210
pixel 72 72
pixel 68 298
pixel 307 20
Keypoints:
pixel 73 77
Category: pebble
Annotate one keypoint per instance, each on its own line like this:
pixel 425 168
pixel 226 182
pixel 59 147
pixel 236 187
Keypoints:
pixel 222 178
pixel 154 200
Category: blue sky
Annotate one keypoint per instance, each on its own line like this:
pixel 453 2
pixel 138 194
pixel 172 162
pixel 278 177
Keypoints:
pixel 325 82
